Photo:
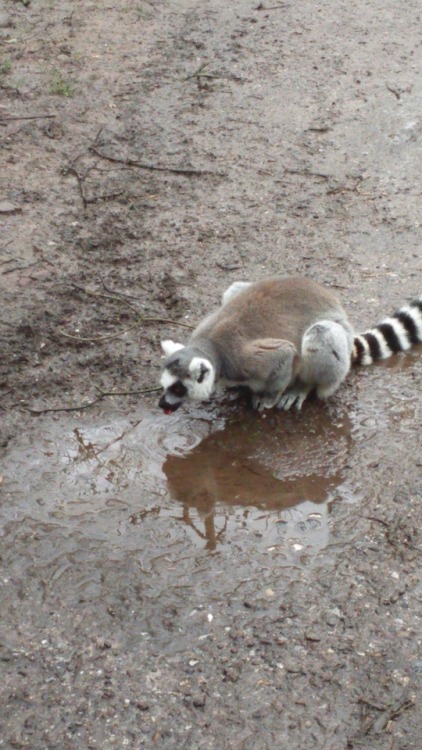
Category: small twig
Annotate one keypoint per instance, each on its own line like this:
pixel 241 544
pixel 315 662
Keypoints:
pixel 228 267
pixel 23 268
pixel 197 72
pixel 393 91
pixel 308 173
pixel 64 408
pixel 364 702
pixel 80 180
pixel 129 92
pixel 377 520
pixel 25 117
pixel 154 167
pixel 104 197
pixel 98 338
pixel 103 394
pixel 344 188
pixel 122 333
pixel 10 260
pixel 319 129
pixel 97 137
pixel 123 295
pixel 261 6
pixel 153 389
pixel 71 169
pixel 404 706
pixel 115 297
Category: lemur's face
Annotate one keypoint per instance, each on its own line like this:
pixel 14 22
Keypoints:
pixel 185 376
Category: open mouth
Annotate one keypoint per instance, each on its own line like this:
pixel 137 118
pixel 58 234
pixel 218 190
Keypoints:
pixel 166 407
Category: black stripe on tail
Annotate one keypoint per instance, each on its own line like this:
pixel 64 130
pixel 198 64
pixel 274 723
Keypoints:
pixel 393 335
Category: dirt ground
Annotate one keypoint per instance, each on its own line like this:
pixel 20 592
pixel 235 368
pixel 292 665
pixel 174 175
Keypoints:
pixel 214 579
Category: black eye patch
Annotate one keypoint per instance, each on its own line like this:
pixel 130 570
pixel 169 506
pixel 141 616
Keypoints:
pixel 178 389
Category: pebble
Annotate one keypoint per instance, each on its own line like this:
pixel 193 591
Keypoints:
pixel 199 700
pixel 6 207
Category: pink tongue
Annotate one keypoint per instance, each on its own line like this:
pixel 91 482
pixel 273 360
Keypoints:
pixel 168 411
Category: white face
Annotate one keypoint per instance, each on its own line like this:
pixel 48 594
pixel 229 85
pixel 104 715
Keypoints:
pixel 196 383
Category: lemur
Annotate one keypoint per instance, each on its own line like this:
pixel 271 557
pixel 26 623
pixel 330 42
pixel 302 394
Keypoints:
pixel 282 338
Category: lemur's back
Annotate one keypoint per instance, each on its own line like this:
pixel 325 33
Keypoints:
pixel 280 308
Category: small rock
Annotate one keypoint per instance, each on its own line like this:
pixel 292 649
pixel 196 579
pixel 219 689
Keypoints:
pixel 248 604
pixel 199 700
pixel 231 673
pixel 290 665
pixel 332 620
pixel 6 207
pixel 310 635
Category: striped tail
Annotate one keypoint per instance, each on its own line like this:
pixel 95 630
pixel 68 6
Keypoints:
pixel 393 335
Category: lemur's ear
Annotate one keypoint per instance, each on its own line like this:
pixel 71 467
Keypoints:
pixel 169 347
pixel 203 371
pixel 199 369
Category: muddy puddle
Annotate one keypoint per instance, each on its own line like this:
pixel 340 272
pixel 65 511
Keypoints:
pixel 213 480
pixel 207 478
pixel 167 540
pixel 160 493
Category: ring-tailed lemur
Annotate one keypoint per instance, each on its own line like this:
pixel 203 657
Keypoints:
pixel 282 338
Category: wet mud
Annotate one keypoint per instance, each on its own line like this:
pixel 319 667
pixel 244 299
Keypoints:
pixel 216 578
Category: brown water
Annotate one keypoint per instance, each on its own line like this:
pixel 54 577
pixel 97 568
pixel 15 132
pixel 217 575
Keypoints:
pixel 216 479
pixel 86 500
pixel 203 479
pixel 197 539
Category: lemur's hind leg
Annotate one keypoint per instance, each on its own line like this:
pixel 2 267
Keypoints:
pixel 269 365
pixel 325 362
pixel 234 290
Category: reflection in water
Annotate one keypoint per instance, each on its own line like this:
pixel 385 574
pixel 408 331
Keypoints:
pixel 120 481
pixel 270 464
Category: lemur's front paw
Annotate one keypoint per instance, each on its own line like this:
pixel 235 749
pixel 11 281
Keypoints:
pixel 293 397
pixel 261 401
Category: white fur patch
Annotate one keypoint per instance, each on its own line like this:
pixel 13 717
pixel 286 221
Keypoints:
pixel 234 290
pixel 167 379
pixel 203 390
pixel 169 347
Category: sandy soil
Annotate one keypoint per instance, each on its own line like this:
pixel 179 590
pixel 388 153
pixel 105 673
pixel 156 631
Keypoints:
pixel 151 154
